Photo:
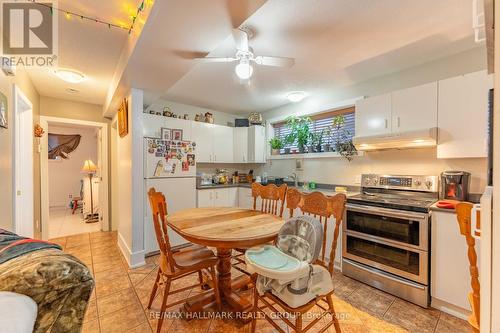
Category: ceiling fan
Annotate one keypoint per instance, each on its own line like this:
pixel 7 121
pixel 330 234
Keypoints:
pixel 245 56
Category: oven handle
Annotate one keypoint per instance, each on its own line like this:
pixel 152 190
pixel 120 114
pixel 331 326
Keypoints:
pixel 385 276
pixel 387 212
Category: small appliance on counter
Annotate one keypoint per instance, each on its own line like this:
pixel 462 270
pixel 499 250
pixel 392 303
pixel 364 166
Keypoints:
pixel 205 179
pixel 221 176
pixel 455 185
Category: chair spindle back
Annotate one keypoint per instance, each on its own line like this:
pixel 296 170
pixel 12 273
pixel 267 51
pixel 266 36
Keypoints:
pixel 272 198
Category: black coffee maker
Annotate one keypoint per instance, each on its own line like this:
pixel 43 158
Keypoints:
pixel 455 185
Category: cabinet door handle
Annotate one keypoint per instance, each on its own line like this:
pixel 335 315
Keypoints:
pixel 386 123
pixel 399 121
pixel 215 157
pixel 211 197
pixel 244 159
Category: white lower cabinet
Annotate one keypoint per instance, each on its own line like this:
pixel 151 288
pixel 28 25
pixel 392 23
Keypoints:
pixel 450 278
pixel 245 199
pixel 217 197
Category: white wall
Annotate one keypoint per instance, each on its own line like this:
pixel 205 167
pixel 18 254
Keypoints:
pixel 65 174
pixel 220 118
pixel 410 161
pixel 130 184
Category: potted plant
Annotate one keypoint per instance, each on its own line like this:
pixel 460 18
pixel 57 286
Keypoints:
pixel 315 140
pixel 327 135
pixel 299 131
pixel 343 141
pixel 276 145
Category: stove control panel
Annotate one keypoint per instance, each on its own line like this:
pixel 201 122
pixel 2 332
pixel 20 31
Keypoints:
pixel 415 183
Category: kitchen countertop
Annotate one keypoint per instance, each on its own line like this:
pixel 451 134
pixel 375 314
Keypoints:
pixel 247 185
pixel 435 208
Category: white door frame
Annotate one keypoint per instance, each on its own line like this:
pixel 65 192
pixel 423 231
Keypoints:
pixel 44 170
pixel 23 180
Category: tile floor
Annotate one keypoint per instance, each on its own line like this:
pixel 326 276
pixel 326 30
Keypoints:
pixel 62 223
pixel 119 300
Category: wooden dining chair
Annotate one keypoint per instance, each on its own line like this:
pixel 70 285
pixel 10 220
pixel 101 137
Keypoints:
pixel 272 202
pixel 272 198
pixel 464 214
pixel 178 264
pixel 329 210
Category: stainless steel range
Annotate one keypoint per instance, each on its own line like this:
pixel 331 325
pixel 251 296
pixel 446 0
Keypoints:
pixel 386 236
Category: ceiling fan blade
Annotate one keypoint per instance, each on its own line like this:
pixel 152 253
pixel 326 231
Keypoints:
pixel 217 59
pixel 240 39
pixel 274 61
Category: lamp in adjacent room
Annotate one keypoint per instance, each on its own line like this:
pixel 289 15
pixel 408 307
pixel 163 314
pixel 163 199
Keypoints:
pixel 90 169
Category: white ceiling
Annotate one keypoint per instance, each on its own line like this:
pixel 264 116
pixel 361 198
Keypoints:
pixel 335 43
pixel 88 47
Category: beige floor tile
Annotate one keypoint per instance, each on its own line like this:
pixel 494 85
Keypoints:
pixel 91 312
pixel 91 327
pixel 77 240
pixel 228 326
pixel 371 300
pixel 60 241
pixel 123 320
pixel 108 283
pixel 122 299
pixel 192 326
pixel 112 265
pixel 451 324
pixel 412 317
pixel 143 328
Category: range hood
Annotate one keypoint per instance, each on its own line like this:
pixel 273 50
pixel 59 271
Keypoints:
pixel 404 140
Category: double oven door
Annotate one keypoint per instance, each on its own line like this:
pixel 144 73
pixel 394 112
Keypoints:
pixel 390 240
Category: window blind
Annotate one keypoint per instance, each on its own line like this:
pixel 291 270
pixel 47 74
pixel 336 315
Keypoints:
pixel 319 123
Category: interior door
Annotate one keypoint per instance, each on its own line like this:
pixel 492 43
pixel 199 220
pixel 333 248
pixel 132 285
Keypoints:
pixel 373 116
pixel 100 190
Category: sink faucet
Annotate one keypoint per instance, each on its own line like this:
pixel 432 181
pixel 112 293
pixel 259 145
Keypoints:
pixel 295 179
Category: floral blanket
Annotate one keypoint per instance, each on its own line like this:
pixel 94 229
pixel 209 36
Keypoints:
pixel 59 283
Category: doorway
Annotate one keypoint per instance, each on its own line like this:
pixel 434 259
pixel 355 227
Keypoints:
pixel 74 177
pixel 23 164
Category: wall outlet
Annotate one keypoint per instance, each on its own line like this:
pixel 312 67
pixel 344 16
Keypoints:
pixel 70 196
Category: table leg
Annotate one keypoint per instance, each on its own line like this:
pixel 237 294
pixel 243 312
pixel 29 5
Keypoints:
pixel 227 287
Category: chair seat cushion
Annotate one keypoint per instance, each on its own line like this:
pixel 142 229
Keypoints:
pixel 18 312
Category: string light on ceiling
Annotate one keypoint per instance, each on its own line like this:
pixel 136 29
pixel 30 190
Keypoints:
pixel 70 15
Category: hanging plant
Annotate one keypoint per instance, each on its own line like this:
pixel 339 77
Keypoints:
pixel 343 139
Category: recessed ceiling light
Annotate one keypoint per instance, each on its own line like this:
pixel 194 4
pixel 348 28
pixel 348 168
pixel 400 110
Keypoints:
pixel 69 75
pixel 296 96
pixel 72 90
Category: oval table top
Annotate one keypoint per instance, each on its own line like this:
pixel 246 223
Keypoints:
pixel 225 227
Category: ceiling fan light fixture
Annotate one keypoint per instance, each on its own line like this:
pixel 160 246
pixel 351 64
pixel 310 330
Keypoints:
pixel 244 70
pixel 69 75
pixel 296 96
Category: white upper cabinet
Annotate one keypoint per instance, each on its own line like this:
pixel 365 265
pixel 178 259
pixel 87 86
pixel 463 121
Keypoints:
pixel 415 108
pixel 240 145
pixel 257 144
pixel 463 116
pixel 223 144
pixel 373 116
pixel 203 136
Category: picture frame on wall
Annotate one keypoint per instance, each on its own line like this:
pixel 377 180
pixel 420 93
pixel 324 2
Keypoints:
pixel 166 134
pixel 177 134
pixel 123 118
pixel 3 111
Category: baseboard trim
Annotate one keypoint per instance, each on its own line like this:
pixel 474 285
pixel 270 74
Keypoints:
pixel 134 259
pixel 450 309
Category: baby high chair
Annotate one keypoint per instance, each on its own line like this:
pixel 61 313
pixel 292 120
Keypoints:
pixel 286 269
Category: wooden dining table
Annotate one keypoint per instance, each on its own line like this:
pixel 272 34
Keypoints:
pixel 225 228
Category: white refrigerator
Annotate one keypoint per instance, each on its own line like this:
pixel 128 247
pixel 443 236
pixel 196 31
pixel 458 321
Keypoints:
pixel 170 167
